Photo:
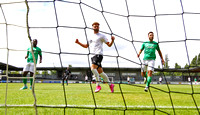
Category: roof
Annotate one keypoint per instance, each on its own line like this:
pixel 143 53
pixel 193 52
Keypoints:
pixel 3 66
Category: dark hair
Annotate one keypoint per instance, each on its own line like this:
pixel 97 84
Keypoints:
pixel 95 23
pixel 34 39
pixel 150 32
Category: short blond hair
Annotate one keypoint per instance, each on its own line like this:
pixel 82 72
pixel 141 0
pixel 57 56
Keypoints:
pixel 95 23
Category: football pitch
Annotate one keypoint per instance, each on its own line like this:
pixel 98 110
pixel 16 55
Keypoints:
pixel 81 100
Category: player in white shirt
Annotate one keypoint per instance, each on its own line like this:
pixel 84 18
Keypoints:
pixel 96 46
pixel 189 80
pixel 160 80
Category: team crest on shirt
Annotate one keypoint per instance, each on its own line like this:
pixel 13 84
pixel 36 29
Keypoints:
pixel 34 50
pixel 150 46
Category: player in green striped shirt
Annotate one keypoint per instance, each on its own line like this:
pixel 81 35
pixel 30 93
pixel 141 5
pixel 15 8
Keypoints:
pixel 30 63
pixel 149 48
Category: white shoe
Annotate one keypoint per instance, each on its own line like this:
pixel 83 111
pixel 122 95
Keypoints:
pixel 146 89
pixel 145 80
pixel 25 87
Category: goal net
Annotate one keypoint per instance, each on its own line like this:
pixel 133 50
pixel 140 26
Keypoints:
pixel 56 24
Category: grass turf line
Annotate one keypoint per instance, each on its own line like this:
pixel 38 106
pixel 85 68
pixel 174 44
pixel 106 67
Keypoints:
pixel 79 96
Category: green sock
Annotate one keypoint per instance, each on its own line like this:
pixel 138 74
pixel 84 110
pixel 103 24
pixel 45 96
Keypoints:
pixel 31 82
pixel 25 81
pixel 145 75
pixel 148 81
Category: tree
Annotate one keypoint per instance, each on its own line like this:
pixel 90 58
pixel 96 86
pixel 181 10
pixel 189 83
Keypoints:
pixel 166 62
pixel 53 72
pixel 198 60
pixel 177 67
pixel 186 66
pixel 37 72
pixel 157 73
pixel 45 72
pixel 14 72
pixel 194 62
pixel 166 66
pixel 70 66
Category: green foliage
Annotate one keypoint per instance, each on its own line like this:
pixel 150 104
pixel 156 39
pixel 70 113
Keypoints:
pixel 195 61
pixel 53 72
pixel 186 66
pixel 14 72
pixel 45 72
pixel 70 66
pixel 37 72
pixel 166 62
pixel 177 67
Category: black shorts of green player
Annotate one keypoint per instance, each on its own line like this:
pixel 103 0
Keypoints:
pixel 96 60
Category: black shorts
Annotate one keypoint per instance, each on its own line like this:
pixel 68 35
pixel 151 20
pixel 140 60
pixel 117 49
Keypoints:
pixel 65 77
pixel 97 59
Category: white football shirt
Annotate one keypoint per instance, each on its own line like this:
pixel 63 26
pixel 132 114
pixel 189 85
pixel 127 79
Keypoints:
pixel 96 43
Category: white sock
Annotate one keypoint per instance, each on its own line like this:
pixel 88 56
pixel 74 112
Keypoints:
pixel 105 78
pixel 96 74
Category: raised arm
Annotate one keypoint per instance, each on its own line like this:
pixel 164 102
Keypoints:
pixel 160 53
pixel 83 45
pixel 112 41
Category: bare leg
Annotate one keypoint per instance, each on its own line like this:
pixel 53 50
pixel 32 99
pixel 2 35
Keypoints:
pixel 95 73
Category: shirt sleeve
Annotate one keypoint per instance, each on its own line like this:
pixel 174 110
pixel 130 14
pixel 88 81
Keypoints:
pixel 158 48
pixel 142 48
pixel 104 39
pixel 40 52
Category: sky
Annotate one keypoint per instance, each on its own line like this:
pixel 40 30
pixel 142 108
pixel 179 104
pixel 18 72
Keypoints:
pixel 175 24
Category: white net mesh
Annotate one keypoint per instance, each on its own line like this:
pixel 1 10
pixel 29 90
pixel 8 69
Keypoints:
pixel 56 25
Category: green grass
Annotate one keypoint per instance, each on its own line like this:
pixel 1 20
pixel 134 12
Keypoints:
pixel 81 100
